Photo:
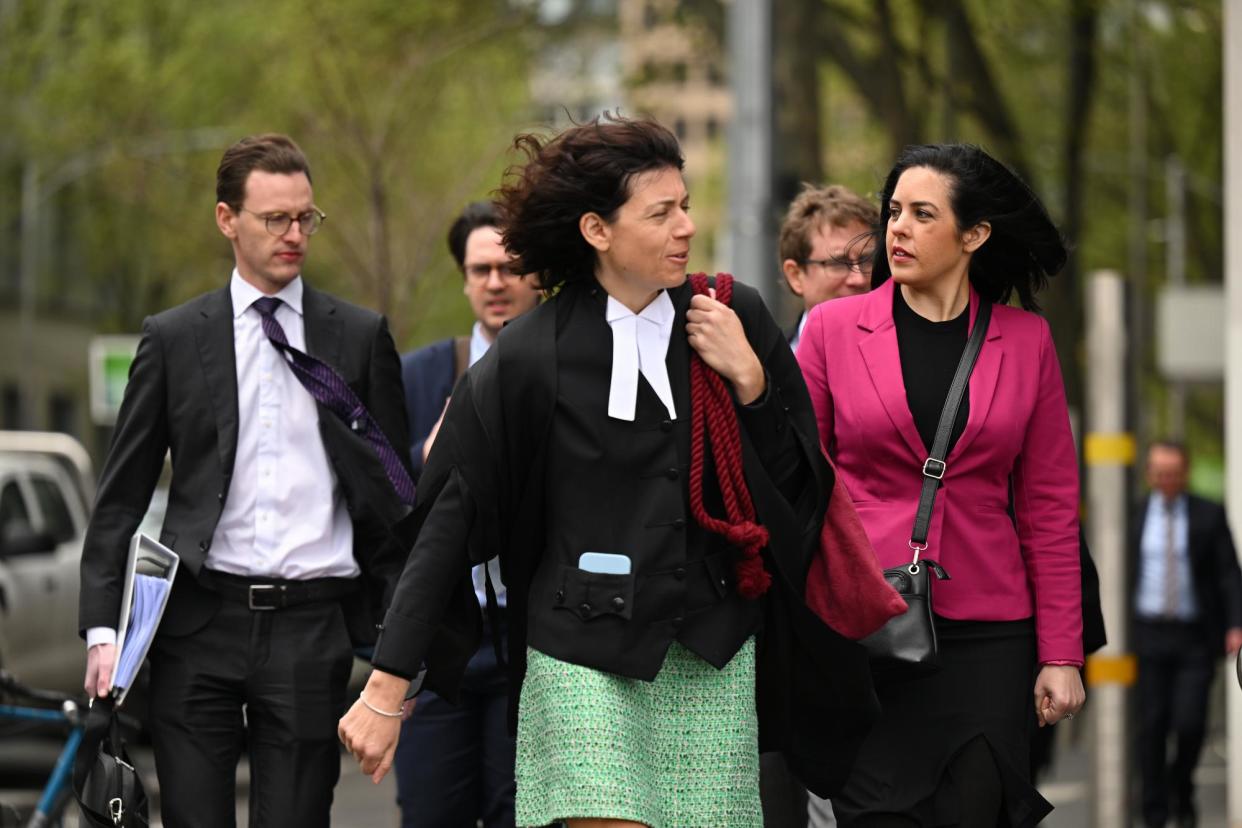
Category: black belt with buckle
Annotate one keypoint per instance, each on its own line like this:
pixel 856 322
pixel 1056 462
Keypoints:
pixel 263 594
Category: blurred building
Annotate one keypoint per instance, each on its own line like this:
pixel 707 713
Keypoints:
pixel 674 72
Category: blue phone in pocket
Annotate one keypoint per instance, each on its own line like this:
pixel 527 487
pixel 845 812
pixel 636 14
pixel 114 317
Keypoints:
pixel 605 563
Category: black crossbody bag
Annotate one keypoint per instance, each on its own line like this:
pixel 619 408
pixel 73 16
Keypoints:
pixel 906 645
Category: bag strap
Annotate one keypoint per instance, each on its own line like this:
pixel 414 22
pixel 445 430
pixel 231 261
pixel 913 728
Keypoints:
pixel 934 467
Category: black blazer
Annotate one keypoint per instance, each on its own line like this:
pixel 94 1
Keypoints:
pixel 182 399
pixel 1213 565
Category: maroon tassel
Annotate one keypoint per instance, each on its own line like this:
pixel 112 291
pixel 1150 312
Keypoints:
pixel 712 413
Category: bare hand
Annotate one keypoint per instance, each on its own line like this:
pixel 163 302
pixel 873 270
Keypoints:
pixel 100 661
pixel 716 334
pixel 435 429
pixel 1233 640
pixel 368 736
pixel 1058 693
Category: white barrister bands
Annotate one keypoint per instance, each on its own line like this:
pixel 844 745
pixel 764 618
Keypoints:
pixel 639 344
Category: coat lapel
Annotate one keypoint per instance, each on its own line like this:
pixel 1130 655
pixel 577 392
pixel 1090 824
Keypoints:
pixel 213 332
pixel 883 360
pixel 983 378
pixel 321 325
pixel 678 364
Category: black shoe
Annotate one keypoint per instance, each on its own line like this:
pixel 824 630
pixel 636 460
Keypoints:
pixel 1186 816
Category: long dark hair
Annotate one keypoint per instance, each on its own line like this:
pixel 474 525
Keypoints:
pixel 585 169
pixel 1025 248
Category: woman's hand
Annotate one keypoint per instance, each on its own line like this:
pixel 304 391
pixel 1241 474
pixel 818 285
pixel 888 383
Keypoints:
pixel 369 736
pixel 1058 693
pixel 716 334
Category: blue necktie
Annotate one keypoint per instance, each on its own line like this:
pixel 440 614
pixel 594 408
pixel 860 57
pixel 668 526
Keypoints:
pixel 330 390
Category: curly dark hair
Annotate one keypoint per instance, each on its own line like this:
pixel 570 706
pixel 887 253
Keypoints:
pixel 585 169
pixel 1025 248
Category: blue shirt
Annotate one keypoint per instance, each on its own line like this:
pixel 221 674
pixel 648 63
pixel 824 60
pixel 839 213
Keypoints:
pixel 1150 602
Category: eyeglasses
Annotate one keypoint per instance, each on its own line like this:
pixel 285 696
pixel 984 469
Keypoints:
pixel 843 265
pixel 483 271
pixel 279 223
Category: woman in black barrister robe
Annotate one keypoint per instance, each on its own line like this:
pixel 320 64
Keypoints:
pixel 649 617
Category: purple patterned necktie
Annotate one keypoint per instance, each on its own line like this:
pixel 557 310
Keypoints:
pixel 330 390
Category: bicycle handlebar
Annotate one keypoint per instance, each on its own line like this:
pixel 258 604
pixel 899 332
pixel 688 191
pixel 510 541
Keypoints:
pixel 10 685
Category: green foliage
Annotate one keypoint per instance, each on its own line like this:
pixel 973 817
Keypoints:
pixel 405 110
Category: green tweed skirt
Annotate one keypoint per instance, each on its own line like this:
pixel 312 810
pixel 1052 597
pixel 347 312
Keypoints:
pixel 678 752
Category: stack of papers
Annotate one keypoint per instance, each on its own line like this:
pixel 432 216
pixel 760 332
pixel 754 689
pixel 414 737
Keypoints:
pixel 149 594
pixel 149 575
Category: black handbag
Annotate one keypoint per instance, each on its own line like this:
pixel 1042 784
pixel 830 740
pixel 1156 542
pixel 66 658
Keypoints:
pixel 906 646
pixel 108 788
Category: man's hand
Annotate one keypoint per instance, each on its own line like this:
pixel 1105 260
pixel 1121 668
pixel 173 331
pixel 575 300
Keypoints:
pixel 715 332
pixel 100 661
pixel 1233 640
pixel 369 736
pixel 1058 693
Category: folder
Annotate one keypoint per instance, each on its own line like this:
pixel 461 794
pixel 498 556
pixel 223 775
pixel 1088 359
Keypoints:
pixel 149 573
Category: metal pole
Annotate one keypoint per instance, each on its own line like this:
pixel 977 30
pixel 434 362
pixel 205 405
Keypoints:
pixel 1233 346
pixel 1175 273
pixel 1109 451
pixel 28 275
pixel 1137 242
pixel 752 240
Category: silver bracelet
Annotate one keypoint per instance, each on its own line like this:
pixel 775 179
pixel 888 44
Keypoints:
pixel 376 710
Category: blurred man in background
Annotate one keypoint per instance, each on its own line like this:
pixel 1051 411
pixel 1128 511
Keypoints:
pixel 1187 592
pixel 826 247
pixel 825 253
pixel 455 762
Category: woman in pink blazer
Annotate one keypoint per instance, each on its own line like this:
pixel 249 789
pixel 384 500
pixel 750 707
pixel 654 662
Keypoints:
pixel 959 229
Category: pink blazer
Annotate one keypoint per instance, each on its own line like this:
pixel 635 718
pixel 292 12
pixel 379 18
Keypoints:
pixel 1017 429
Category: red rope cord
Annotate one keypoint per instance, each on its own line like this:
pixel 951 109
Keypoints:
pixel 712 417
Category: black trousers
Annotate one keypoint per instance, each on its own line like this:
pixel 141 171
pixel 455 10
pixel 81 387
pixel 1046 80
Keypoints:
pixel 270 682
pixel 454 763
pixel 1175 667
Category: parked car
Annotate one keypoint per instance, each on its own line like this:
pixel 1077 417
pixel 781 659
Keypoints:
pixel 46 483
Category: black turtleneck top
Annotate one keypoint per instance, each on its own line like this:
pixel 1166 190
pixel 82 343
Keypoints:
pixel 930 352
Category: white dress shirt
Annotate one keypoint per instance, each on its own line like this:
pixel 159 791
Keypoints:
pixel 284 516
pixel 639 345
pixel 1151 599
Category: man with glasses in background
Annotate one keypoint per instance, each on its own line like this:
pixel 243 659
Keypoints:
pixel 281 408
pixel 454 763
pixel 825 253
pixel 826 247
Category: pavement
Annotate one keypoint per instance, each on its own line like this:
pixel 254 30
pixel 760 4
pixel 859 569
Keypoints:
pixel 360 804
pixel 1068 785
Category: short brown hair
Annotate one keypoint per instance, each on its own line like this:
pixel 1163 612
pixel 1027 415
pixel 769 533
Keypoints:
pixel 271 153
pixel 817 207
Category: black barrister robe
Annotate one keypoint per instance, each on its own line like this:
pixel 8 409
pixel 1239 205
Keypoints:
pixel 484 489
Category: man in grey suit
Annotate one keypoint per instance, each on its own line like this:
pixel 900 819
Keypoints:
pixel 280 406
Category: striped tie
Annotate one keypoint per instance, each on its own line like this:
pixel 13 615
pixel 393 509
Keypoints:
pixel 330 390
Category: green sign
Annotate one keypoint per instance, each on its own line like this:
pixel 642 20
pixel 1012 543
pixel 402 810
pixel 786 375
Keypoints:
pixel 110 359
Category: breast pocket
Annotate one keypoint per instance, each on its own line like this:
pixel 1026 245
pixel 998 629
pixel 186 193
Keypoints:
pixel 590 595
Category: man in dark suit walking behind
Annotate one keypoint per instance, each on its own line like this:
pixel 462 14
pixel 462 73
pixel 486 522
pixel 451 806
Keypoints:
pixel 454 762
pixel 281 407
pixel 1187 594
